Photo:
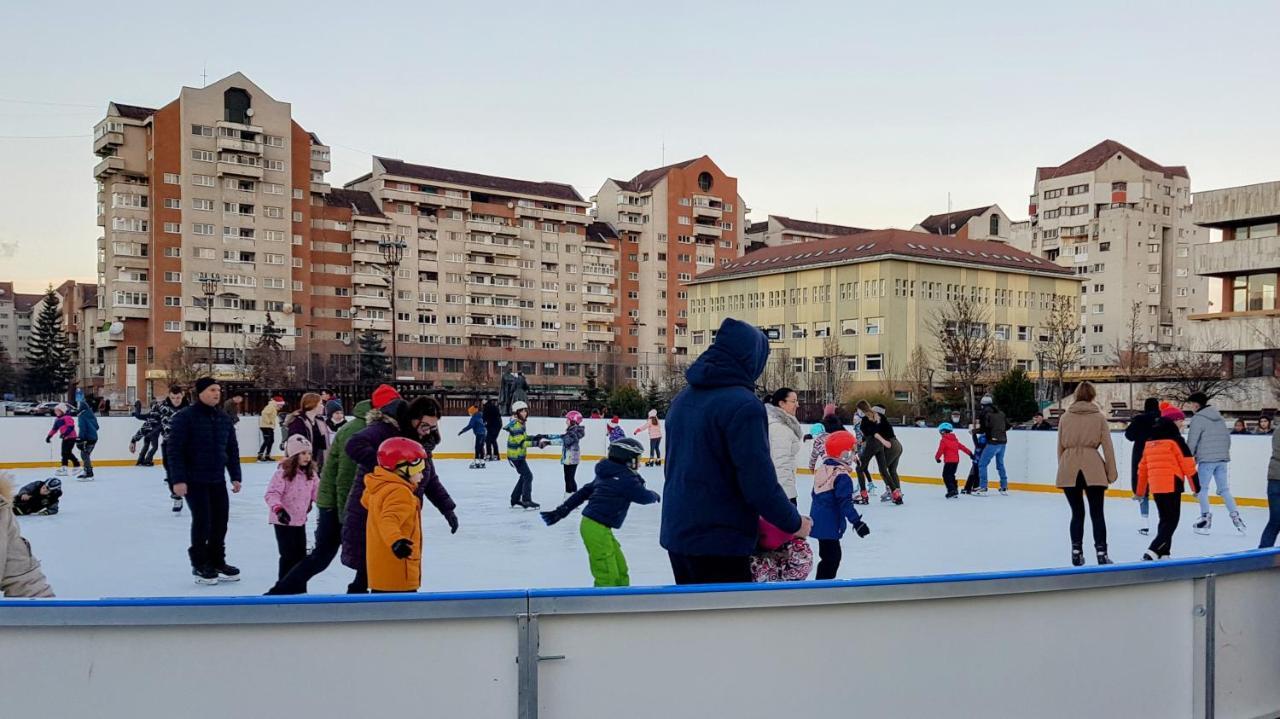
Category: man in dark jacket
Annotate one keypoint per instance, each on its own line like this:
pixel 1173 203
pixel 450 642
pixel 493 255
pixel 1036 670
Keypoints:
pixel 719 475
pixel 994 426
pixel 492 425
pixel 1138 432
pixel 201 451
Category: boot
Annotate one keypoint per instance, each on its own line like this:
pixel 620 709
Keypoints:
pixel 205 575
pixel 1235 519
pixel 1077 554
pixel 1204 523
pixel 862 498
pixel 1149 556
pixel 1102 554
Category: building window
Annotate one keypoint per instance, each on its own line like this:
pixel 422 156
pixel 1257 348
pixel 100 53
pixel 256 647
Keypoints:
pixel 172 179
pixel 1024 333
pixel 995 225
pixel 873 328
pixel 704 181
pixel 1253 292
pixel 874 363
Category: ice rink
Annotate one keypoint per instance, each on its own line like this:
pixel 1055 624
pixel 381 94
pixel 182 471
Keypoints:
pixel 116 536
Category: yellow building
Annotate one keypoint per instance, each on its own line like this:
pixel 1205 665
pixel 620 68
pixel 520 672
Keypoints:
pixel 864 302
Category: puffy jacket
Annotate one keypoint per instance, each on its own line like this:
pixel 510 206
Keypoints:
pixel 394 514
pixel 492 419
pixel 270 415
pixel 202 446
pixel 88 423
pixel 832 500
pixel 785 442
pixel 994 425
pixel 313 430
pixel 1138 432
pixel 20 574
pixel 610 494
pixel 475 425
pixel 1208 436
pixel 35 502
pixel 719 475
pixel 571 440
pixel 518 440
pixel 1166 462
pixel 653 428
pixel 340 471
pixel 64 427
pixel 950 447
pixel 159 420
pixel 294 496
pixel 818 451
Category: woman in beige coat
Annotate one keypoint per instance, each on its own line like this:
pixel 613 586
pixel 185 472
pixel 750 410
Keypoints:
pixel 20 574
pixel 1083 473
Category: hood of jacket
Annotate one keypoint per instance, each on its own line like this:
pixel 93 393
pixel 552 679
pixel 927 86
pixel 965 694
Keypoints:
pixel 1210 413
pixel 381 481
pixel 363 409
pixel 778 416
pixel 83 406
pixel 736 358
pixel 1082 407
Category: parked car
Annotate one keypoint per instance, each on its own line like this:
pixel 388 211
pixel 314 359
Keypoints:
pixel 44 409
pixel 22 407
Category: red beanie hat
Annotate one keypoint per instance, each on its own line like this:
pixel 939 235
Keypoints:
pixel 1173 414
pixel 384 395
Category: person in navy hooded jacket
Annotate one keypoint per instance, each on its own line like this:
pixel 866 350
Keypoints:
pixel 719 475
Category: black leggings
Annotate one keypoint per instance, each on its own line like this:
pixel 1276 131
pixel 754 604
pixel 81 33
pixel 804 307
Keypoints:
pixel 1169 505
pixel 829 554
pixel 268 439
pixel 1076 497
pixel 570 481
pixel 67 456
pixel 694 569
pixel 491 443
pixel 328 542
pixel 292 543
pixel 864 463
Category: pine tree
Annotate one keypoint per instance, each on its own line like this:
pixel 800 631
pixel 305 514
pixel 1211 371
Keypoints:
pixel 654 398
pixel 49 368
pixel 593 393
pixel 374 366
pixel 1016 395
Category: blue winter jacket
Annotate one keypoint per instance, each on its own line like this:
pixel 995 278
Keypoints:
pixel 202 446
pixel 719 474
pixel 830 509
pixel 475 424
pixel 610 494
pixel 88 423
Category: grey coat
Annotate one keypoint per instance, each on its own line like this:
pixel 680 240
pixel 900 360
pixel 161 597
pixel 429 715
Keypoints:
pixel 1208 436
pixel 1273 468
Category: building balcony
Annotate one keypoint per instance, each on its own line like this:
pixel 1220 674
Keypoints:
pixel 255 129
pixel 400 195
pixel 598 336
pixel 630 222
pixel 367 323
pixel 1250 204
pixel 368 276
pixel 358 300
pixel 1237 256
pixel 321 188
pixel 108 143
pixel 369 235
pixel 105 338
pixel 553 215
pixel 321 165
pixel 492 228
pixel 707 230
pixel 108 167
pixel 1234 331
pixel 366 256
pixel 713 212
pixel 230 143
pixel 240 170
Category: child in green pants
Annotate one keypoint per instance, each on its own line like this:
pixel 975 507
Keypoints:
pixel 615 487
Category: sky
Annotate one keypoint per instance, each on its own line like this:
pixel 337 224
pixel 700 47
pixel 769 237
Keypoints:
pixel 868 116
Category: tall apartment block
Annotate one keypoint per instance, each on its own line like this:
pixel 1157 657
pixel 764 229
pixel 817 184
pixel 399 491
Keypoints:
pixel 778 230
pixel 672 222
pixel 1124 224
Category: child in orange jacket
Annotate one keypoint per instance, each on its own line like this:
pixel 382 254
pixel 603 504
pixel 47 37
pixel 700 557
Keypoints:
pixel 393 534
pixel 1166 462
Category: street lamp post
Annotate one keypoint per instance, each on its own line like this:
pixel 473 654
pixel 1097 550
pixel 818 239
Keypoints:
pixel 209 286
pixel 392 253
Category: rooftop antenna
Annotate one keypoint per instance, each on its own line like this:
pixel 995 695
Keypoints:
pixel 204 75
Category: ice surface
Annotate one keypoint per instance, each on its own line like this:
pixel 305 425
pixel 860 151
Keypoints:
pixel 116 536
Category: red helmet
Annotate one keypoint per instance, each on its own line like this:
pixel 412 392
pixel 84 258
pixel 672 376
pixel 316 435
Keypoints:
pixel 398 452
pixel 838 443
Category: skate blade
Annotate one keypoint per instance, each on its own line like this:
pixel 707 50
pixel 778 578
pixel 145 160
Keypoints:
pixel 226 580
pixel 206 582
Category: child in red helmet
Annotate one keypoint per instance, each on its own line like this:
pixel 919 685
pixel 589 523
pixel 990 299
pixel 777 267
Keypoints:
pixel 393 534
pixel 833 502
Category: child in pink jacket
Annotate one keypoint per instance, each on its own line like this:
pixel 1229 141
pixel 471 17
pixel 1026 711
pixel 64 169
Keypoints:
pixel 654 428
pixel 290 496
pixel 64 425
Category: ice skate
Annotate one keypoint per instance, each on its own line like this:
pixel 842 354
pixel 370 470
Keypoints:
pixel 530 504
pixel 1103 558
pixel 1004 493
pixel 897 496
pixel 1145 529
pixel 979 492
pixel 62 472
pixel 481 465
pixel 1149 556
pixel 953 495
pixel 226 573
pixel 1203 524
pixel 1077 555
pixel 84 477
pixel 1236 520
pixel 177 505
pixel 862 498
pixel 205 575
pixel 887 496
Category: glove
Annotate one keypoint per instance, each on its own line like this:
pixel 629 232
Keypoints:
pixel 282 514
pixel 938 460
pixel 862 529
pixel 47 439
pixel 402 548
pixel 553 516
pixel 1195 483
pixel 452 519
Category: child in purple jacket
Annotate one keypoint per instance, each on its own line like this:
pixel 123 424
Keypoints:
pixel 64 425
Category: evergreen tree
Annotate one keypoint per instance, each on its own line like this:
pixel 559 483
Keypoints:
pixel 593 393
pixel 374 365
pixel 1015 393
pixel 654 398
pixel 627 402
pixel 49 368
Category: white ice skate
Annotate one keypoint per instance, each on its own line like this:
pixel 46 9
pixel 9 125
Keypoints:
pixel 1203 524
pixel 1236 520
pixel 62 472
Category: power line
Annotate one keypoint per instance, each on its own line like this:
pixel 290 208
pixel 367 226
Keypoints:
pixel 42 102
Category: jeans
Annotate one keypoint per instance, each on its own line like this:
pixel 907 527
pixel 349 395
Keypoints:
pixel 949 476
pixel 209 507
pixel 524 483
pixel 150 444
pixel 86 453
pixel 1273 522
pixel 292 543
pixel 479 447
pixel 67 456
pixel 829 555
pixel 993 451
pixel 1144 505
pixel 1169 505
pixel 570 478
pixel 328 542
pixel 268 439
pixel 695 569
pixel 1217 473
pixel 1076 498
pixel 655 447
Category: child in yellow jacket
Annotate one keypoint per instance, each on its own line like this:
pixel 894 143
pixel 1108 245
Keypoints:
pixel 393 534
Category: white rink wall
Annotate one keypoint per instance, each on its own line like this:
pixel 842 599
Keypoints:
pixel 1031 458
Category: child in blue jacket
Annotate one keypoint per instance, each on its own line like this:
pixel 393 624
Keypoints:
pixel 833 503
pixel 616 486
pixel 476 426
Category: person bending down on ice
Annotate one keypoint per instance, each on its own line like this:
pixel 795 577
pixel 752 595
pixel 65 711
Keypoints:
pixel 20 574
pixel 608 497
pixel 38 497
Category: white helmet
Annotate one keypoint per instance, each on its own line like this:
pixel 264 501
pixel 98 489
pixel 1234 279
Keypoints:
pixel 517 406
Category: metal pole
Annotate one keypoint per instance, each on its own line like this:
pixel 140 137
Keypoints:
pixel 392 253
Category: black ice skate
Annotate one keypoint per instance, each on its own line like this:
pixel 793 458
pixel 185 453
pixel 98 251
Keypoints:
pixel 177 505
pixel 204 575
pixel 226 572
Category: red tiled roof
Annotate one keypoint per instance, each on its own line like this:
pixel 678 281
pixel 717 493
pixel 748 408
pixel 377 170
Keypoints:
pixel 360 202
pixel 649 178
pixel 133 112
pixel 1095 156
pixel 23 302
pixel 880 243
pixel 553 190
pixel 817 228
pixel 949 222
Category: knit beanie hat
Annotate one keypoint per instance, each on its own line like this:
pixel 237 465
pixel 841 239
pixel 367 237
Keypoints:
pixel 278 398
pixel 332 406
pixel 1173 414
pixel 203 384
pixel 295 445
pixel 383 395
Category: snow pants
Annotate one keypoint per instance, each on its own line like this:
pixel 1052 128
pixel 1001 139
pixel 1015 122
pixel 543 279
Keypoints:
pixel 608 565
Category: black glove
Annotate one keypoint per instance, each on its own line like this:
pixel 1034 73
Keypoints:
pixel 452 519
pixel 553 516
pixel 282 514
pixel 1195 483
pixel 862 529
pixel 938 460
pixel 402 548
pixel 47 439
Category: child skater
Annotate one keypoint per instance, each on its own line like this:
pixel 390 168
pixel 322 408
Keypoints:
pixel 833 503
pixel 393 535
pixel 571 449
pixel 779 557
pixel 476 426
pixel 949 449
pixel 608 496
pixel 614 429
pixel 290 496
pixel 971 482
pixel 655 438
pixel 1166 462
pixel 821 431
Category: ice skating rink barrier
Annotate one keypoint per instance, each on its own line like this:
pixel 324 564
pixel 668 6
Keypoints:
pixel 1182 638
pixel 1031 457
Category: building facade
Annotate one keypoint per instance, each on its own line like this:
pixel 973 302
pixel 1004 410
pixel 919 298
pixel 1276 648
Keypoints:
pixel 779 230
pixel 979 223
pixel 672 222
pixel 1123 223
pixel 9 321
pixel 849 311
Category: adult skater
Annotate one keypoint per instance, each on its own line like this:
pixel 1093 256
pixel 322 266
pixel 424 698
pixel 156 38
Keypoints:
pixel 232 407
pixel 993 425
pixel 64 425
pixel 159 423
pixel 1273 496
pixel 267 426
pixel 201 451
pixel 87 431
pixel 887 449
pixel 38 497
pixel 20 574
pixel 305 422
pixel 785 437
pixel 1138 432
pixel 1083 473
pixel 492 425
pixel 719 475
pixel 1210 442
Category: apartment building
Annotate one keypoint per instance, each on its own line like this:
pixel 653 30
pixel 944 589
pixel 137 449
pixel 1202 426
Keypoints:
pixel 1244 324
pixel 778 230
pixel 498 273
pixel 9 321
pixel 978 223
pixel 1123 223
pixel 875 294
pixel 672 223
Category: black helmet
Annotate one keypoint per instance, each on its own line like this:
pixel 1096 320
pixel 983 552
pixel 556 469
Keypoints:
pixel 626 451
pixel 53 483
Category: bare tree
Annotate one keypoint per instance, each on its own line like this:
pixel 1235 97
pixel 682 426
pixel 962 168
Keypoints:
pixel 1128 347
pixel 673 380
pixel 268 366
pixel 919 374
pixel 476 370
pixel 962 334
pixel 1058 342
pixel 1183 373
pixel 890 374
pixel 828 378
pixel 780 371
pixel 180 366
